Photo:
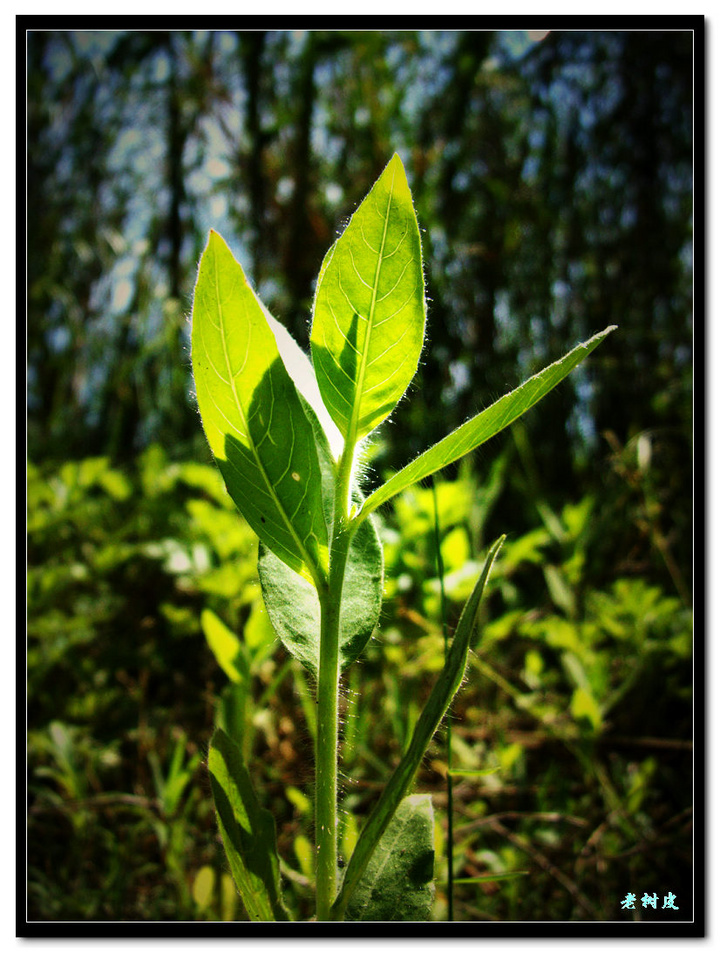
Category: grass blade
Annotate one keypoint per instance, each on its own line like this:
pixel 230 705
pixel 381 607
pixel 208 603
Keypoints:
pixel 491 877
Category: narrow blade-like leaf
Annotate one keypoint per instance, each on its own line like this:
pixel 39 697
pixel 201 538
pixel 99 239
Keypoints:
pixel 369 311
pixel 483 426
pixel 398 882
pixel 253 417
pixel 248 831
pixel 437 704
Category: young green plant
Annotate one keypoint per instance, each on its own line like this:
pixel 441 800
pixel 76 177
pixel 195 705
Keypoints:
pixel 286 434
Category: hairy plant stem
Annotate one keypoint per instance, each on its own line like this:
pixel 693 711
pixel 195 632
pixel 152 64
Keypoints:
pixel 327 697
pixel 327 749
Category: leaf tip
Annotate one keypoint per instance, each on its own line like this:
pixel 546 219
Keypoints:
pixel 601 335
pixel 396 166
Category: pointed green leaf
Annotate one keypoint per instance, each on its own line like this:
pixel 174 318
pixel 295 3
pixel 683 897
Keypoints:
pixel 437 704
pixel 248 831
pixel 369 311
pixel 294 608
pixel 483 426
pixel 225 645
pixel 253 417
pixel 398 881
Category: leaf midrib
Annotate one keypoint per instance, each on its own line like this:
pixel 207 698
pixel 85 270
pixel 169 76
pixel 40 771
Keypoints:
pixel 270 489
pixel 355 415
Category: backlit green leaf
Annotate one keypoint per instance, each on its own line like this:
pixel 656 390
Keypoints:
pixel 225 645
pixel 369 312
pixel 398 881
pixel 483 426
pixel 253 417
pixel 248 831
pixel 490 877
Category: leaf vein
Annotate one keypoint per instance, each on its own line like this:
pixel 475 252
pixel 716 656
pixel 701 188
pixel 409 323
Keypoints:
pixel 397 283
pixel 389 255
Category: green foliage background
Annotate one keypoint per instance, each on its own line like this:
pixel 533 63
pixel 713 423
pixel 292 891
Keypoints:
pixel 553 183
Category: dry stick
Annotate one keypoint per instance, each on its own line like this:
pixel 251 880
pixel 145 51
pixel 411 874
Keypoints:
pixel 513 814
pixel 546 865
pixel 473 911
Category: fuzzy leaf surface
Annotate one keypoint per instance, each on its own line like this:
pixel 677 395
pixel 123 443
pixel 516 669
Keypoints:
pixel 294 608
pixel 398 882
pixel 369 312
pixel 248 831
pixel 483 426
pixel 253 416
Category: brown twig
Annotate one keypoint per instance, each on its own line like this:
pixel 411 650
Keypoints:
pixel 546 865
pixel 514 814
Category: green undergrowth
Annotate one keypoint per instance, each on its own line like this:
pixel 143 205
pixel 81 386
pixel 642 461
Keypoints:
pixel 146 630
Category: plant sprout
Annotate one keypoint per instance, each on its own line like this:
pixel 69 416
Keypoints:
pixel 287 434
